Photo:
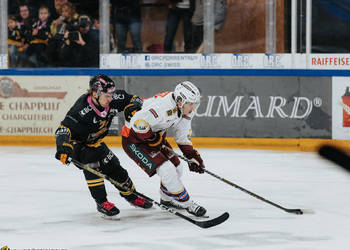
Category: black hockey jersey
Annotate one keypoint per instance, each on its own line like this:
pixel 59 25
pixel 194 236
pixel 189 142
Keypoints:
pixel 87 123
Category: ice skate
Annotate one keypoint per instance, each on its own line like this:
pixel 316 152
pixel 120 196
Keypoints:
pixel 107 209
pixel 190 205
pixel 139 201
pixel 170 202
pixel 195 209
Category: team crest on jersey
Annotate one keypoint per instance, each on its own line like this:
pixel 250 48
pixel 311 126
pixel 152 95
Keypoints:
pixel 141 126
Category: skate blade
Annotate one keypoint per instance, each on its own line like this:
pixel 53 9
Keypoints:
pixel 106 217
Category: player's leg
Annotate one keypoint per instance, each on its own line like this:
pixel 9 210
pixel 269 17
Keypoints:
pixel 98 192
pixel 173 192
pixel 87 155
pixel 110 166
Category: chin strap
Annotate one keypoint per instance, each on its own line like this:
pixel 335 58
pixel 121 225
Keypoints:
pixel 98 101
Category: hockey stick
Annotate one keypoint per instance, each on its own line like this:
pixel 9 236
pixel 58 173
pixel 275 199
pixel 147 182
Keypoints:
pixel 203 224
pixel 288 210
pixel 335 155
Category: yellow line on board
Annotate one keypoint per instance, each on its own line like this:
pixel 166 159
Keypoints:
pixel 310 145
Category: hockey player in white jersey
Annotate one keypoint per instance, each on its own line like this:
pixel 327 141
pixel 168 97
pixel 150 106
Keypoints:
pixel 144 136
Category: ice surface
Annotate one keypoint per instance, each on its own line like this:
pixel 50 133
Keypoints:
pixel 44 205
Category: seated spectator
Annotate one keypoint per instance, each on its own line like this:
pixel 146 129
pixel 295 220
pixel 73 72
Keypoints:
pixel 80 48
pixel 15 41
pixel 126 17
pixel 37 50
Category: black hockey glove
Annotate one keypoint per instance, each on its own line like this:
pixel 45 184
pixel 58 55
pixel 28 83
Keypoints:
pixel 134 106
pixel 64 153
pixel 197 165
pixel 64 148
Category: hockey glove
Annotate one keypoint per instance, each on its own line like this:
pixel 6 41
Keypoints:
pixel 64 148
pixel 170 155
pixel 197 164
pixel 64 152
pixel 134 106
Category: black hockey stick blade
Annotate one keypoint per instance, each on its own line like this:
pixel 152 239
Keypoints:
pixel 294 211
pixel 208 223
pixel 335 155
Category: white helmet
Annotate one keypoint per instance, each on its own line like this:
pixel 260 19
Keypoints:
pixel 186 92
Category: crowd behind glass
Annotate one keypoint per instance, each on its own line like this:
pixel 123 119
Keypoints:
pixel 62 33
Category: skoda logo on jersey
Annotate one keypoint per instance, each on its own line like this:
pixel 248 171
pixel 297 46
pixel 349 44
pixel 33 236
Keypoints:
pixel 142 157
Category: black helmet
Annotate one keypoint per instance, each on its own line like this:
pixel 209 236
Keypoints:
pixel 102 84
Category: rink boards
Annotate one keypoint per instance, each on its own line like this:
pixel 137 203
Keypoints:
pixel 250 109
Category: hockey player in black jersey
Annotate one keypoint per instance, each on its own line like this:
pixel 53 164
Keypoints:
pixel 80 135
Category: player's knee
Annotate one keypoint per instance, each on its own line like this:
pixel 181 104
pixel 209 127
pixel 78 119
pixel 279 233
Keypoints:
pixel 168 173
pixel 110 166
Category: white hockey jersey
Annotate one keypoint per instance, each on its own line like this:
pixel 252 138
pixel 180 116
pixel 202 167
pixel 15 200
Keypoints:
pixel 160 113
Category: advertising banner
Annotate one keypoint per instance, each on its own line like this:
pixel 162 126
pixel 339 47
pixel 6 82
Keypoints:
pixel 201 61
pixel 225 61
pixel 35 105
pixel 3 61
pixel 329 61
pixel 243 107
pixel 341 108
pixel 252 107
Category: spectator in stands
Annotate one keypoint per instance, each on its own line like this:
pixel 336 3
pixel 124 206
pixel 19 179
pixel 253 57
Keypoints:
pixel 126 17
pixel 68 21
pixel 81 48
pixel 26 23
pixel 15 41
pixel 178 10
pixel 58 5
pixel 37 51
